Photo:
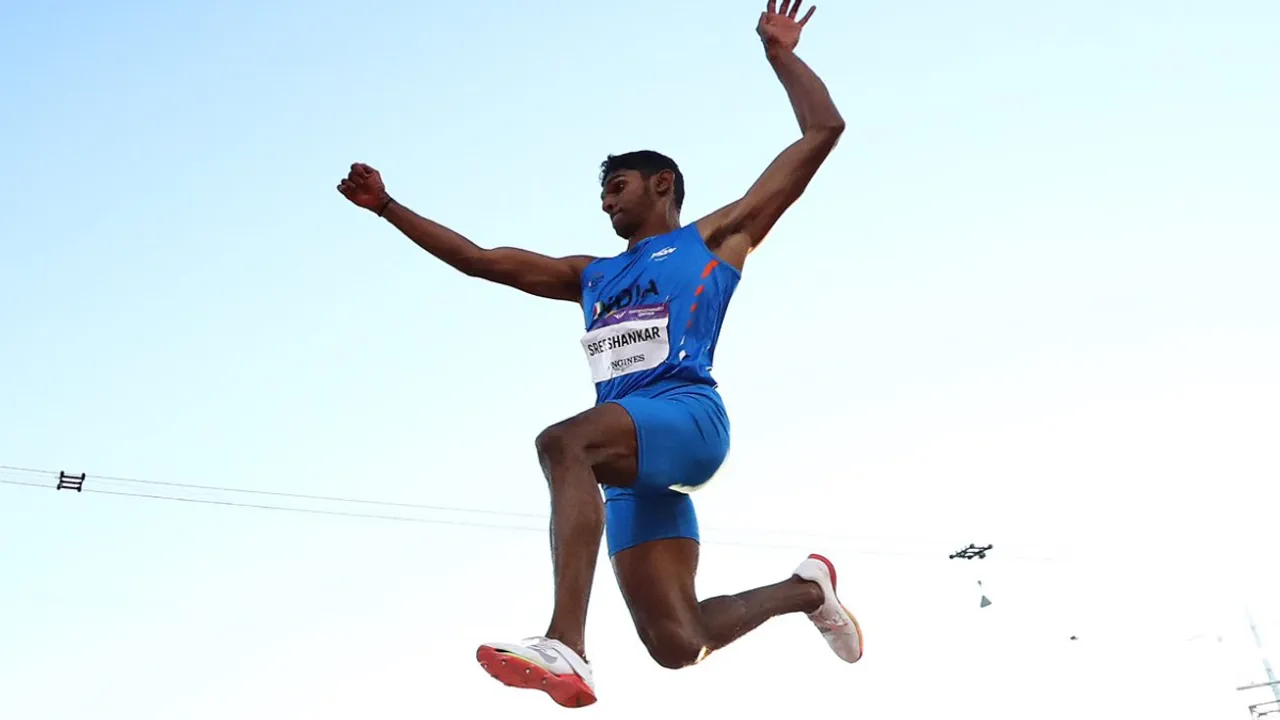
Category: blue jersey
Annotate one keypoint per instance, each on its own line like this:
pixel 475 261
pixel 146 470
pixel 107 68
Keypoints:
pixel 653 314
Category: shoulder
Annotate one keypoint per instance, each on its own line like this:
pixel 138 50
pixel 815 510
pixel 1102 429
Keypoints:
pixel 690 233
pixel 713 232
pixel 717 226
pixel 578 264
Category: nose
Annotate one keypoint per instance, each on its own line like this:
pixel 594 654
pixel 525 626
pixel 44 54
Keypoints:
pixel 608 206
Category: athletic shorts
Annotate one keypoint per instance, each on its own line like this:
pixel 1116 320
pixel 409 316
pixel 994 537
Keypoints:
pixel 682 439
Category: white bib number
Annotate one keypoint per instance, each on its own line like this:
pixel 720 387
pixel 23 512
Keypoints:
pixel 628 341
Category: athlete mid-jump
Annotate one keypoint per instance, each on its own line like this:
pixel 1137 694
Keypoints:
pixel 658 430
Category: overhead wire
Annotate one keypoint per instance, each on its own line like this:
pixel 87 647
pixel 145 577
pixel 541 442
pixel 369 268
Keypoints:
pixel 755 543
pixel 276 493
pixel 285 508
pixel 28 484
pixel 327 498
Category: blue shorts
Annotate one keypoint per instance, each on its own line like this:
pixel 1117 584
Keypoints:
pixel 682 439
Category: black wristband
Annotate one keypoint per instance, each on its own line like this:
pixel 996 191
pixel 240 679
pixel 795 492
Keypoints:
pixel 384 206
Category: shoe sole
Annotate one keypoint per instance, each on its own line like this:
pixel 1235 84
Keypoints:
pixel 831 570
pixel 514 671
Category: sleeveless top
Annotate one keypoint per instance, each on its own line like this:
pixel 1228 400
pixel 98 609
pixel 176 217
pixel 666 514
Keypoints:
pixel 653 314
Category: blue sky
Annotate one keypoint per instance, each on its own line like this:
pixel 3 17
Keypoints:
pixel 1030 300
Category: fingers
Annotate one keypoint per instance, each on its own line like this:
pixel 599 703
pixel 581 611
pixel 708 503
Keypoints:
pixel 356 179
pixel 359 174
pixel 790 8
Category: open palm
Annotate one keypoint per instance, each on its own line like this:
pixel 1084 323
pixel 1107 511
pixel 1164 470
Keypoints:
pixel 778 27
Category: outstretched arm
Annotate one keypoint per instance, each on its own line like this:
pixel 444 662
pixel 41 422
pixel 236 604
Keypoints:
pixel 524 270
pixel 735 230
pixel 530 272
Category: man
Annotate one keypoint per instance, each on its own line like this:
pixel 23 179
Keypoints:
pixel 658 430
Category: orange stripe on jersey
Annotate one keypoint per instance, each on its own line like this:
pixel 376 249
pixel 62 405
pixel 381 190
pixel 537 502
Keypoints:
pixel 706 271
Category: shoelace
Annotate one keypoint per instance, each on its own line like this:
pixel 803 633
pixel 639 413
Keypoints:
pixel 541 643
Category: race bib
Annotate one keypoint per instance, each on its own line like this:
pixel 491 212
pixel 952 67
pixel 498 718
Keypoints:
pixel 628 341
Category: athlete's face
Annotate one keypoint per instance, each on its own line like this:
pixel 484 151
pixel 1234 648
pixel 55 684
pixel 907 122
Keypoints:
pixel 628 200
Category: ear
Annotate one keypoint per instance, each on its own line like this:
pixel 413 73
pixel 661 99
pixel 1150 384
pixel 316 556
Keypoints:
pixel 664 182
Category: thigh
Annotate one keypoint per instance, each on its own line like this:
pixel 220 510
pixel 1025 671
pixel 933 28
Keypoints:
pixel 607 435
pixel 657 581
pixel 681 440
pixel 634 518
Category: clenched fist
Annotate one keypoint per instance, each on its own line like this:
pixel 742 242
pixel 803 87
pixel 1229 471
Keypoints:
pixel 364 187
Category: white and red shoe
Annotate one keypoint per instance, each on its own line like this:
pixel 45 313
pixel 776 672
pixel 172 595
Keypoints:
pixel 539 663
pixel 833 620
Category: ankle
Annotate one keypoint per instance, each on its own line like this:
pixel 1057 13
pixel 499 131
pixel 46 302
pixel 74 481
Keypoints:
pixel 575 644
pixel 812 595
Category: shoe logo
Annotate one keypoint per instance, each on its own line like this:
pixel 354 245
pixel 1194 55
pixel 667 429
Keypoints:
pixel 550 658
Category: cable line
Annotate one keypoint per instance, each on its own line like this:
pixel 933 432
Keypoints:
pixel 274 493
pixel 64 481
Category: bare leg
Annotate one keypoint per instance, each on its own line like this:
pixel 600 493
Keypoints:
pixel 572 453
pixel 657 579
pixel 577 522
pixel 729 617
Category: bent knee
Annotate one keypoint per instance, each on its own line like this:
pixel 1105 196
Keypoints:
pixel 674 646
pixel 556 442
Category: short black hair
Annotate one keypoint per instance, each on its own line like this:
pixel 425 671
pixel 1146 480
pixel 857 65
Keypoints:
pixel 648 163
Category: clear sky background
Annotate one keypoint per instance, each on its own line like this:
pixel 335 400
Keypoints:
pixel 1031 300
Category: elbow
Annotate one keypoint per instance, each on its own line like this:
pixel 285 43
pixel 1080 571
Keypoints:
pixel 469 266
pixel 827 132
pixel 476 265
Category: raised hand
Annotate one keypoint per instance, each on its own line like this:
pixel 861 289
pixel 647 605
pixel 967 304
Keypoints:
pixel 364 187
pixel 778 28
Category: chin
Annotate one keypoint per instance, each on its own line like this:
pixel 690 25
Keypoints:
pixel 623 228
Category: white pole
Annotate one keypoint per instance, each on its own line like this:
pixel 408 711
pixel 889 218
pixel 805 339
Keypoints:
pixel 1266 664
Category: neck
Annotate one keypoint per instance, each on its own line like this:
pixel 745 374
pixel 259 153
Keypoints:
pixel 656 226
